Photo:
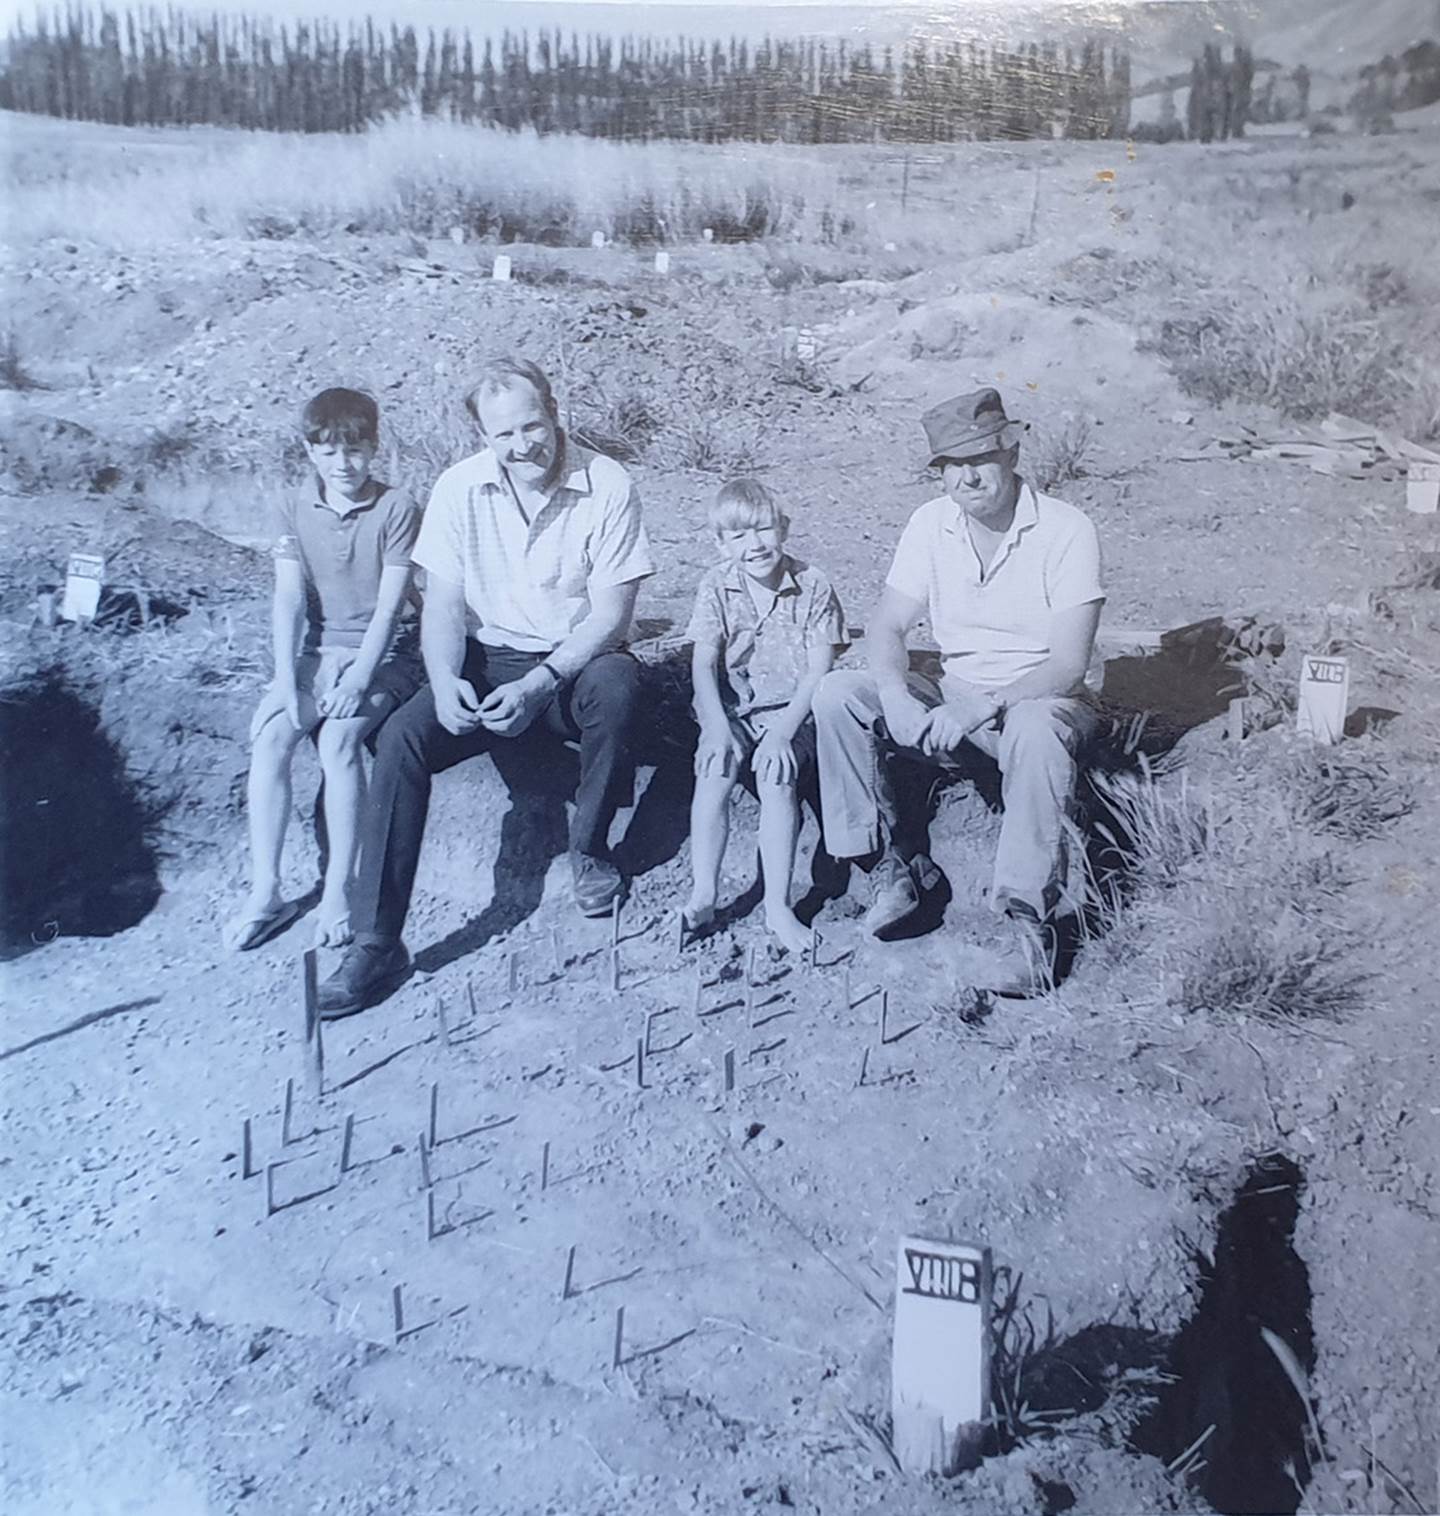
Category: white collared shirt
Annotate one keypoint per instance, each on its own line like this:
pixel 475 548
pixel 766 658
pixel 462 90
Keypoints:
pixel 993 627
pixel 528 583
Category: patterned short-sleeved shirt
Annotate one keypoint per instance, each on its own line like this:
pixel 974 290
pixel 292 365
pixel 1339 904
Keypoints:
pixel 765 652
pixel 342 554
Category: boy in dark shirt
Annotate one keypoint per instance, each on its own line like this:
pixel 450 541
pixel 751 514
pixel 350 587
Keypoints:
pixel 342 580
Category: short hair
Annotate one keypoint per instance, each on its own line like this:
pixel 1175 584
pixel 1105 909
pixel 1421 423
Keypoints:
pixel 744 502
pixel 504 373
pixel 340 415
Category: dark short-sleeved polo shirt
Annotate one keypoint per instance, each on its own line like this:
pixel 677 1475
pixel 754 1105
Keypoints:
pixel 342 556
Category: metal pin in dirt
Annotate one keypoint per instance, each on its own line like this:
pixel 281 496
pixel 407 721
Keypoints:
pixel 346 1141
pixel 444 1020
pixel 285 1138
pixel 750 968
pixel 270 1188
pixel 884 1013
pixel 614 970
pixel 699 990
pixel 679 933
pixel 397 1311
pixel 247 1152
pixel 470 997
pixel 619 1355
pixel 435 1114
pixel 430 1215
pixel 615 922
pixel 864 1066
pixel 849 1001
pixel 311 971
pixel 729 1070
pixel 545 1167
pixel 555 949
pixel 569 1273
pixel 425 1179
pixel 514 971
pixel 639 1063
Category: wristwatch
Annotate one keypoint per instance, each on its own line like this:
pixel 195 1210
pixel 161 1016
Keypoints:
pixel 553 672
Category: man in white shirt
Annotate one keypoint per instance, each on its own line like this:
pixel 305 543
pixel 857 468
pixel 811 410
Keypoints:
pixel 1010 582
pixel 533 551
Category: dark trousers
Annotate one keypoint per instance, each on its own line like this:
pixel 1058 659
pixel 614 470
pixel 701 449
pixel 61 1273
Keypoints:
pixel 598 709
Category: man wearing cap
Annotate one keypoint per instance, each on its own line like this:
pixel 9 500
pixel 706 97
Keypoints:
pixel 533 551
pixel 1010 582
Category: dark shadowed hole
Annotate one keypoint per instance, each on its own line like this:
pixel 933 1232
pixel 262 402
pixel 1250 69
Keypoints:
pixel 1226 1376
pixel 76 857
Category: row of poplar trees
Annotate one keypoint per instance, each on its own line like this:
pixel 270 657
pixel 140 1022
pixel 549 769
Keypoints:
pixel 145 67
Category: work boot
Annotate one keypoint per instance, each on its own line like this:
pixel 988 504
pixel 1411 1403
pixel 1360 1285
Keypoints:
pixel 368 973
pixel 894 897
pixel 1026 966
pixel 598 883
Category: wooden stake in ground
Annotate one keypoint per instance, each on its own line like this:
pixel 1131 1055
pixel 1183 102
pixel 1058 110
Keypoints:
pixel 569 1273
pixel 287 1114
pixel 545 1168
pixel 247 1152
pixel 619 1354
pixel 425 1177
pixel 615 971
pixel 346 1142
pixel 615 922
pixel 939 1387
pixel 729 1071
pixel 435 1115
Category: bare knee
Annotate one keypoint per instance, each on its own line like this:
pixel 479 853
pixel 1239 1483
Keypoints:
pixel 339 743
pixel 275 741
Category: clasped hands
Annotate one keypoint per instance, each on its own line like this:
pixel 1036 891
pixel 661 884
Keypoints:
pixel 506 711
pixel 941 728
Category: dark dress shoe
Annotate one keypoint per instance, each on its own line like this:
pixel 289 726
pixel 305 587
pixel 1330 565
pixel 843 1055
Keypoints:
pixel 368 973
pixel 598 884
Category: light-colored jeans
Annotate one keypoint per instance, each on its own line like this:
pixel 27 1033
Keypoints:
pixel 1035 750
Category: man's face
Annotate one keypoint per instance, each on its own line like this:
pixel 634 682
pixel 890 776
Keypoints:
pixel 982 486
pixel 343 467
pixel 520 430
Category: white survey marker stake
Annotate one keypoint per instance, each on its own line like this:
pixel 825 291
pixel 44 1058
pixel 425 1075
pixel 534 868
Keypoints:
pixel 939 1378
pixel 1422 488
pixel 597 239
pixel 500 269
pixel 84 574
pixel 662 263
pixel 1324 696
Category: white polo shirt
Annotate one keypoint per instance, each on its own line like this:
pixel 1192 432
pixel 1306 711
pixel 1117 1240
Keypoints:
pixel 994 627
pixel 527 584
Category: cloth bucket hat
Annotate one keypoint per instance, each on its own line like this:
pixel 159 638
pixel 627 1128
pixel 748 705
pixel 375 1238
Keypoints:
pixel 968 426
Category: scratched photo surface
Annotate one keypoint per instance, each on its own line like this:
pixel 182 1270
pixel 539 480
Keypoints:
pixel 717 757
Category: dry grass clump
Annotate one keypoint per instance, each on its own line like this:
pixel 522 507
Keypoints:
pixel 13 373
pixel 1254 961
pixel 1303 349
pixel 1063 456
pixel 1345 793
pixel 1230 902
pixel 429 176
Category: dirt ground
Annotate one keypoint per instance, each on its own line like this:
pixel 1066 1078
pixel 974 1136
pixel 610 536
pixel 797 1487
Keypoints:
pixel 172 1345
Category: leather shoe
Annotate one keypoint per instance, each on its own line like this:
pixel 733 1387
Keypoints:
pixel 368 973
pixel 598 883
pixel 894 896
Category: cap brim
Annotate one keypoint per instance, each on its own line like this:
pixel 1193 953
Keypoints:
pixel 1007 436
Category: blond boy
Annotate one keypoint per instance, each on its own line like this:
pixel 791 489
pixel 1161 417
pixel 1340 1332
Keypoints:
pixel 766 628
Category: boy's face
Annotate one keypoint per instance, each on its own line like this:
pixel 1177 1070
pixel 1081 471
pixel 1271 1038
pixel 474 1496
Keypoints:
pixel 343 467
pixel 758 548
pixel 520 431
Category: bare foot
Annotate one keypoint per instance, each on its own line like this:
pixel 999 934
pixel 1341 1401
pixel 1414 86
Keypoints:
pixel 263 914
pixel 698 914
pixel 788 928
pixel 332 926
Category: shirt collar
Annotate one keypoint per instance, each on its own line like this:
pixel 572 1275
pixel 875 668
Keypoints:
pixel 574 473
pixel 344 509
pixel 736 577
pixel 1027 513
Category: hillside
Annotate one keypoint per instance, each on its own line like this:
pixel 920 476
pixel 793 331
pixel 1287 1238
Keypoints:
pixel 1222 1118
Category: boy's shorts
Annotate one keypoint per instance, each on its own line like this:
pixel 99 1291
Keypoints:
pixel 317 673
pixel 752 727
